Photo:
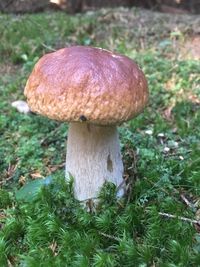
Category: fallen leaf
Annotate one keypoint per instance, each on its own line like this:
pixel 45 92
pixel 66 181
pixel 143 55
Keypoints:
pixel 36 175
pixel 22 180
pixel 53 248
pixel 168 113
pixel 53 168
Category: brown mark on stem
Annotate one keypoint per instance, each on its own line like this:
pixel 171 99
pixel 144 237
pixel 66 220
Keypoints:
pixel 109 164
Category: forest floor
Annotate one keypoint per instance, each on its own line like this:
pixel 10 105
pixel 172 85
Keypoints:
pixel 157 223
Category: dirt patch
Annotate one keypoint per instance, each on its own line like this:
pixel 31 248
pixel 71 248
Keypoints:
pixel 191 48
pixel 8 69
pixel 73 6
pixel 21 6
pixel 144 29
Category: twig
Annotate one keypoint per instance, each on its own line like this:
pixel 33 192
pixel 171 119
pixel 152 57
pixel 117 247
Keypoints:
pixel 48 47
pixel 186 201
pixel 110 237
pixel 121 185
pixel 179 217
pixel 174 154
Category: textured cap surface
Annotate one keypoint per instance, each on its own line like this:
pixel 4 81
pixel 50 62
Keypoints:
pixel 83 83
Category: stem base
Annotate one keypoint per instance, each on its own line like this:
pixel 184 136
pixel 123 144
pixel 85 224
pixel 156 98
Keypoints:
pixel 93 157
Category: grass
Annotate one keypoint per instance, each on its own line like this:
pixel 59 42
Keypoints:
pixel 53 229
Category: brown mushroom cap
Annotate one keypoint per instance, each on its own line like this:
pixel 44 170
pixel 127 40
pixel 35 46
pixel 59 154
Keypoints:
pixel 83 83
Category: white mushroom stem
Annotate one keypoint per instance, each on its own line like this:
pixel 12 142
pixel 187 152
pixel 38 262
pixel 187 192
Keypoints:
pixel 93 157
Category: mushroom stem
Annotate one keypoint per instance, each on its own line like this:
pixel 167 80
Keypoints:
pixel 93 157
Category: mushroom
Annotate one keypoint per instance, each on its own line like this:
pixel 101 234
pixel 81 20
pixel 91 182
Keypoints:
pixel 95 90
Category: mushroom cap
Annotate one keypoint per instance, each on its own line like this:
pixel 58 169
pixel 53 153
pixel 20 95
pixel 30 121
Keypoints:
pixel 82 83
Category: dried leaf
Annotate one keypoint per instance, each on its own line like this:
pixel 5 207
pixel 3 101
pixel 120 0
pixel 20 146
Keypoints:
pixel 36 175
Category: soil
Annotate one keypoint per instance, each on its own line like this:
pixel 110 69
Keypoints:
pixel 73 6
pixel 191 48
pixel 21 6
